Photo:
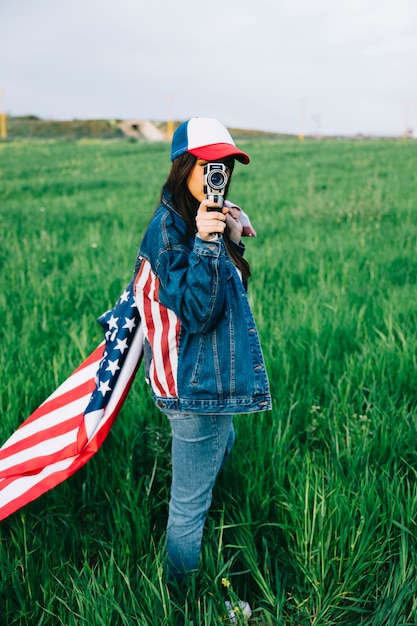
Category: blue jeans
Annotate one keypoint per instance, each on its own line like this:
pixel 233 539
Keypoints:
pixel 200 445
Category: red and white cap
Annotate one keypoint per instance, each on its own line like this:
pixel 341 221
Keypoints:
pixel 207 139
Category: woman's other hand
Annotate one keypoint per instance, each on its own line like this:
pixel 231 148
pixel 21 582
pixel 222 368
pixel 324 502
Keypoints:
pixel 234 226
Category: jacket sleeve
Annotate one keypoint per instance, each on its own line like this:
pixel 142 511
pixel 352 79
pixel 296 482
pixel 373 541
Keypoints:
pixel 192 283
pixel 192 278
pixel 239 247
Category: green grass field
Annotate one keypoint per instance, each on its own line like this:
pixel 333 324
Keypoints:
pixel 314 517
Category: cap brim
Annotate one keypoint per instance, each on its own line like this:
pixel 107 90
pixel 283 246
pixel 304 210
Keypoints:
pixel 217 151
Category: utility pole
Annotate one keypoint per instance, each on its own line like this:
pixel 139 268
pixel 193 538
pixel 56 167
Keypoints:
pixel 170 121
pixel 3 127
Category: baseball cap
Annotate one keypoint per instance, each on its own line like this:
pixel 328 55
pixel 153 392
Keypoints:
pixel 207 139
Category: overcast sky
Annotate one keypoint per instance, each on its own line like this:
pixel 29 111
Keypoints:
pixel 312 66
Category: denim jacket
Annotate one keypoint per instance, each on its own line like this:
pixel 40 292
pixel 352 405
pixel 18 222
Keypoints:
pixel 202 352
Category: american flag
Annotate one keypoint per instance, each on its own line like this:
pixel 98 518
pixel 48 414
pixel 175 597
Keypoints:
pixel 70 426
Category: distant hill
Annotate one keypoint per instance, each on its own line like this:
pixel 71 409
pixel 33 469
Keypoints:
pixel 33 127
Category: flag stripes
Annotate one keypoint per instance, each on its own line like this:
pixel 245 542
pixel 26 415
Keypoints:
pixel 70 426
pixel 162 328
pixel 54 426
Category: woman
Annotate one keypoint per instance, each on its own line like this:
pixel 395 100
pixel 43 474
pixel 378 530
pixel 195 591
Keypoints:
pixel 202 354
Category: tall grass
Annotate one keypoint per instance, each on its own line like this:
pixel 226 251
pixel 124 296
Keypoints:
pixel 314 517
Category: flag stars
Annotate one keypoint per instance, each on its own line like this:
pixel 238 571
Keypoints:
pixel 113 366
pixel 104 387
pixel 113 322
pixel 130 324
pixel 113 335
pixel 125 296
pixel 121 345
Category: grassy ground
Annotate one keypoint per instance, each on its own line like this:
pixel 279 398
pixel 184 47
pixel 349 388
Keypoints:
pixel 314 517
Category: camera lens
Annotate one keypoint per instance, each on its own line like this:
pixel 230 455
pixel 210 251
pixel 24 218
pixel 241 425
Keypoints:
pixel 217 180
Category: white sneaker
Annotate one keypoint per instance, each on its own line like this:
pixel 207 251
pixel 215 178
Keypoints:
pixel 241 608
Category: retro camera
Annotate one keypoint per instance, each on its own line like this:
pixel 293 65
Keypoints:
pixel 215 180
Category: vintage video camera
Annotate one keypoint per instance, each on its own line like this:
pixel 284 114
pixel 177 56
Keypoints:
pixel 215 180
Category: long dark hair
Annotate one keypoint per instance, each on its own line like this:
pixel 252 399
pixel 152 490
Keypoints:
pixel 187 205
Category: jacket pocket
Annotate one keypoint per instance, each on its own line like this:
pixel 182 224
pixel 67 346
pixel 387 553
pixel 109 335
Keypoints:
pixel 201 352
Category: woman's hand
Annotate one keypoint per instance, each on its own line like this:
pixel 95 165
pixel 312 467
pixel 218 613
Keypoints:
pixel 210 223
pixel 234 227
